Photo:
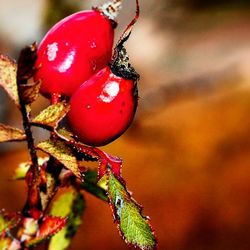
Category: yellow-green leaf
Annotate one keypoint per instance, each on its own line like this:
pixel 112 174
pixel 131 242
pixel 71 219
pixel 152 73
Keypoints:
pixel 8 72
pixel 133 226
pixel 71 205
pixel 8 133
pixel 64 134
pixel 52 115
pixel 62 153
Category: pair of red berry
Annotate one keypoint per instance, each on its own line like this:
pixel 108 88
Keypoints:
pixel 74 60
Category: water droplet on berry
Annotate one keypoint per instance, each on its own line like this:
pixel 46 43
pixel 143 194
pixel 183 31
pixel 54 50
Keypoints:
pixel 92 44
pixel 88 106
pixel 94 66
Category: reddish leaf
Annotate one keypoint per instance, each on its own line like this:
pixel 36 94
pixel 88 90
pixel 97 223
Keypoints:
pixel 49 226
pixel 106 161
pixel 8 221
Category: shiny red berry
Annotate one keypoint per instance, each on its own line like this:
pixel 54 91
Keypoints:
pixel 73 50
pixel 103 108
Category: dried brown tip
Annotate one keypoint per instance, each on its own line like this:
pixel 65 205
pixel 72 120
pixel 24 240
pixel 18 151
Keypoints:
pixel 111 9
pixel 120 61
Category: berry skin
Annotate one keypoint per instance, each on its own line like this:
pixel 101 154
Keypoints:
pixel 72 51
pixel 103 108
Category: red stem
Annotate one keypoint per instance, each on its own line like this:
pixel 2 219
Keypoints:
pixel 55 98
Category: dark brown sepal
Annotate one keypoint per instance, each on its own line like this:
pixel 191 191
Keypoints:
pixel 120 64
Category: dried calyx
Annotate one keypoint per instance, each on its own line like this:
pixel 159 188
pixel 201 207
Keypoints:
pixel 111 8
pixel 120 65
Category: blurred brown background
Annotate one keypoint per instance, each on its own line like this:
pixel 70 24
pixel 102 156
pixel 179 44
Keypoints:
pixel 187 155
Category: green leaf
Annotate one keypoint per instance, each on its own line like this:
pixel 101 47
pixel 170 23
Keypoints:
pixel 62 153
pixel 8 73
pixel 92 187
pixel 133 226
pixel 8 221
pixel 71 205
pixel 8 134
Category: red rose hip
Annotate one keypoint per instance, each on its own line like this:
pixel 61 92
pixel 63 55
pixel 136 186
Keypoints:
pixel 103 108
pixel 73 50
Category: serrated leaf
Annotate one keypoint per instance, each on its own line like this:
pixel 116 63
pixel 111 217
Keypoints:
pixel 133 226
pixel 29 91
pixel 92 187
pixel 8 134
pixel 71 205
pixel 52 115
pixel 8 221
pixel 62 153
pixel 8 73
pixel 49 226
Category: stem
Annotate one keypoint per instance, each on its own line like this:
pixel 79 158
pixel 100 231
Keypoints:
pixel 55 98
pixel 29 136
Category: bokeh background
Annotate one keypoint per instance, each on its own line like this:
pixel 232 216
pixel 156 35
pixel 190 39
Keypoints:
pixel 187 155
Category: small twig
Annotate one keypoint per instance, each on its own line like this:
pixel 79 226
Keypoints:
pixel 25 70
pixel 29 136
